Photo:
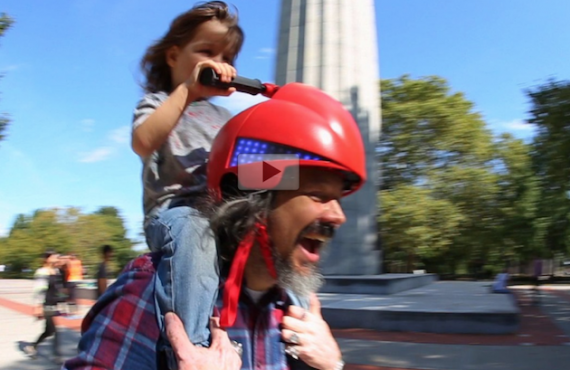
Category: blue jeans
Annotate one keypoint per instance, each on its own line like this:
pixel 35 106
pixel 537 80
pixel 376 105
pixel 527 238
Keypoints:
pixel 187 276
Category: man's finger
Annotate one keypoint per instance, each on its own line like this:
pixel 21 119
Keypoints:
pixel 218 334
pixel 315 305
pixel 296 312
pixel 291 337
pixel 294 324
pixel 177 335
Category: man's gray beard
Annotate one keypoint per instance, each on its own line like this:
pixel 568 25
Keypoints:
pixel 288 278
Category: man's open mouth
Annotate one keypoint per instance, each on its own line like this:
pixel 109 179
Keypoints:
pixel 312 244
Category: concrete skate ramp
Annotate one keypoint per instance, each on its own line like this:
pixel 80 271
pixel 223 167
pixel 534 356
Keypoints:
pixel 441 307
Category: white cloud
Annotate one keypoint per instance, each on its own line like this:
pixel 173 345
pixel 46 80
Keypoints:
pixel 97 155
pixel 87 124
pixel 517 125
pixel 265 53
pixel 238 102
pixel 11 67
pixel 121 135
pixel 117 137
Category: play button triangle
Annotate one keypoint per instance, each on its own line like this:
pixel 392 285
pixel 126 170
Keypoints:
pixel 269 171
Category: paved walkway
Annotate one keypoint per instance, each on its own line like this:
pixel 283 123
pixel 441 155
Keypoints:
pixel 543 342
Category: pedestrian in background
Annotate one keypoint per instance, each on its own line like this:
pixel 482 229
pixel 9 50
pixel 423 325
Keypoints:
pixel 103 270
pixel 74 277
pixel 48 285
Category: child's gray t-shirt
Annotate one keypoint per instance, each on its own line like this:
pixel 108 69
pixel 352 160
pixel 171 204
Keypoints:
pixel 178 168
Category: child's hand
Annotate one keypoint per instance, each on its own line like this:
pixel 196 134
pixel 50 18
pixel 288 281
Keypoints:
pixel 197 90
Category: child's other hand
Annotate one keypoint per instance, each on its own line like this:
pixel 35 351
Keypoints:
pixel 197 90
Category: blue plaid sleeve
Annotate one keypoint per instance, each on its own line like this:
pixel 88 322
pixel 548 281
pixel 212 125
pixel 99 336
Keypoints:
pixel 120 331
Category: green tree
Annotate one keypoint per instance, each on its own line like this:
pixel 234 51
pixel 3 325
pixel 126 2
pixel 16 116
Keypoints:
pixel 425 128
pixel 417 229
pixel 549 113
pixel 21 223
pixel 435 149
pixel 5 23
pixel 451 196
pixel 29 238
pixel 122 246
pixel 90 232
pixel 473 191
pixel 65 231
pixel 522 230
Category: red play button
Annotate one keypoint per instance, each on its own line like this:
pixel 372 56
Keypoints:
pixel 268 171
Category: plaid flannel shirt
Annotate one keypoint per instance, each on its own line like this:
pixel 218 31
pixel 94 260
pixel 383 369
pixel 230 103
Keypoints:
pixel 121 330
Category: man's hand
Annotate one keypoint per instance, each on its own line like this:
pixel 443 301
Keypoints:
pixel 309 337
pixel 220 356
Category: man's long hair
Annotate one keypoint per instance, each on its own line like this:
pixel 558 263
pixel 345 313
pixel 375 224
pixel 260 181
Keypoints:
pixel 233 217
pixel 236 215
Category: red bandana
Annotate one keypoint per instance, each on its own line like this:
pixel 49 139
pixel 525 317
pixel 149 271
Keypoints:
pixel 232 286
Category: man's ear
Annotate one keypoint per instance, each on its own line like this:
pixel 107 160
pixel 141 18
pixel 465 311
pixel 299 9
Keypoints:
pixel 172 55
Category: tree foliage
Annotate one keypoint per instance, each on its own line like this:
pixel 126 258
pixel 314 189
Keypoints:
pixel 452 195
pixel 426 128
pixel 65 231
pixel 550 115
pixel 5 23
pixel 416 227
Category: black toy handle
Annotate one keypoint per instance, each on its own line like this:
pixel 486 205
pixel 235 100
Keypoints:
pixel 209 77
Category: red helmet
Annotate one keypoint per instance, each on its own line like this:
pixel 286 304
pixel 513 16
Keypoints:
pixel 299 120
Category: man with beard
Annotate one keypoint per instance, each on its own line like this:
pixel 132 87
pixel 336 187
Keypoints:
pixel 269 238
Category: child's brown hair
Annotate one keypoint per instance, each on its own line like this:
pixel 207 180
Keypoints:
pixel 182 29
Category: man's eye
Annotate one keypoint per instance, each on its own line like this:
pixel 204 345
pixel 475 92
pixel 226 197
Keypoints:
pixel 206 52
pixel 319 197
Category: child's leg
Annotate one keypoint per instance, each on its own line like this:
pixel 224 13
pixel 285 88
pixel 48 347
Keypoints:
pixel 187 275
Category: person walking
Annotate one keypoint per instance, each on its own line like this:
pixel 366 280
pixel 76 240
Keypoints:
pixel 74 277
pixel 47 288
pixel 103 270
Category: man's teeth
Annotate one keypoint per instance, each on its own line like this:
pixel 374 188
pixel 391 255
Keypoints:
pixel 319 238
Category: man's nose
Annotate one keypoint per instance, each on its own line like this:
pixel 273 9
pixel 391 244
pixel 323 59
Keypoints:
pixel 333 213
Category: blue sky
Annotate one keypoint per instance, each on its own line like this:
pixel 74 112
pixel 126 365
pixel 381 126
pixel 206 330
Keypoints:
pixel 71 71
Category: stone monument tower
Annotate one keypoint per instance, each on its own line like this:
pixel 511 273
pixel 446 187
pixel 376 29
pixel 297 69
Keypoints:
pixel 332 45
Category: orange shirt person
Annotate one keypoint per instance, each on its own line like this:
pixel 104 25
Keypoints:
pixel 74 276
pixel 75 272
